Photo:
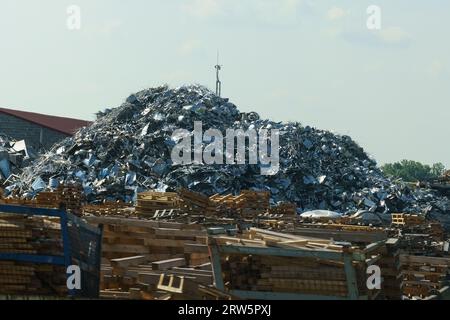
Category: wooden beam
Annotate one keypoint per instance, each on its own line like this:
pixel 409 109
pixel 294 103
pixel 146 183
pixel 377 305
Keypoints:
pixel 130 261
pixel 167 264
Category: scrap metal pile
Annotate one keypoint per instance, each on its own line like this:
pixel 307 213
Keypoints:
pixel 13 156
pixel 128 150
pixel 441 185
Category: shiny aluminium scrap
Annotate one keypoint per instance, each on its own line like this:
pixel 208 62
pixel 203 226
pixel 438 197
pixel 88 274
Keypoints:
pixel 128 151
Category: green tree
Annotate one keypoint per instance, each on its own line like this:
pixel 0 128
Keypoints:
pixel 438 169
pixel 412 171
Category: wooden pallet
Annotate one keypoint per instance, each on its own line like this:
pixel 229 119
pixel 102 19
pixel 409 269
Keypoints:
pixel 401 219
pixel 150 202
pixel 284 209
pixel 196 203
pixel 108 209
pixel 246 204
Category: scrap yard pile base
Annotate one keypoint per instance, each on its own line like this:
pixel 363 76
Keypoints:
pixel 228 247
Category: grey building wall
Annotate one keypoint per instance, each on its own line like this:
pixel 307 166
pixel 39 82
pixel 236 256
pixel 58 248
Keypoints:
pixel 30 132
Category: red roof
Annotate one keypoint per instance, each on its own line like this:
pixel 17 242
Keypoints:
pixel 63 125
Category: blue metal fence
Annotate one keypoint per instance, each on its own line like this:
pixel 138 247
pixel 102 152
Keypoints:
pixel 81 247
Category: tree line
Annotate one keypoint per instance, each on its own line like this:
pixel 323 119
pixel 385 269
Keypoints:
pixel 413 171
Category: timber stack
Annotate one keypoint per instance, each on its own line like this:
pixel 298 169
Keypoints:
pixel 284 266
pixel 30 236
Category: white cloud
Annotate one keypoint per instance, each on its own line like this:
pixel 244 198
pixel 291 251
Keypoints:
pixel 277 10
pixel 202 8
pixel 189 46
pixel 393 35
pixel 108 28
pixel 270 11
pixel 436 68
pixel 336 13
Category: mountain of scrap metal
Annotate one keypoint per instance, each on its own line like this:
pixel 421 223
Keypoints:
pixel 128 150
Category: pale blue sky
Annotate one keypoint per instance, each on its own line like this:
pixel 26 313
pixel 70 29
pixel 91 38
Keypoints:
pixel 308 61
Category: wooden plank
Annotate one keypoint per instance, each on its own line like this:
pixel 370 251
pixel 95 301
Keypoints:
pixel 114 294
pixel 123 248
pixel 408 259
pixel 130 261
pixel 167 243
pixel 179 233
pixel 195 248
pixel 167 264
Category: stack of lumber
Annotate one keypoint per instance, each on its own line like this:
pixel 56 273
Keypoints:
pixel 342 232
pixel 30 235
pixel 68 197
pixel 32 279
pixel 34 236
pixel 48 199
pixel 196 203
pixel 261 272
pixel 71 196
pixel 14 201
pixel 139 278
pixel 390 270
pixel 137 252
pixel 157 240
pixel 423 276
pixel 150 202
pixel 436 231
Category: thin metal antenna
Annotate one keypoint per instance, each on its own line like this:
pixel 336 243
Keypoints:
pixel 218 67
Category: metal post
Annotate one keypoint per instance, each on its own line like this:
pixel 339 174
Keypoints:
pixel 218 67
pixel 217 267
pixel 350 274
pixel 66 245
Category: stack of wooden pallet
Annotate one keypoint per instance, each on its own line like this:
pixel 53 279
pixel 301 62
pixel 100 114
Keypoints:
pixel 226 204
pixel 251 203
pixel 284 209
pixel 247 204
pixel 150 202
pixel 407 220
pixel 270 263
pixel 34 236
pixel 196 203
pixel 280 217
pixel 423 276
pixel 108 209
